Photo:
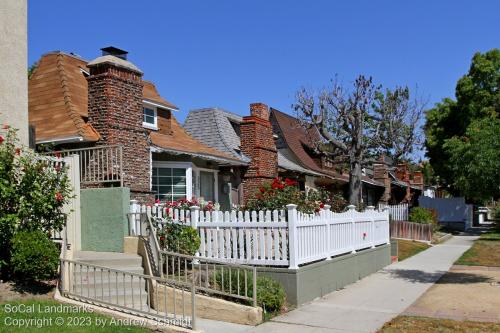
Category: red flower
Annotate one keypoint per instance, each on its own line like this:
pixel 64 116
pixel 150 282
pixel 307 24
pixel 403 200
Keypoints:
pixel 18 151
pixel 1 139
pixel 162 238
pixel 149 205
pixel 290 182
pixel 281 186
pixel 58 155
pixel 276 180
pixel 59 197
pixel 167 210
pixel 157 201
pixel 259 196
pixel 275 186
pixel 321 205
pixel 262 189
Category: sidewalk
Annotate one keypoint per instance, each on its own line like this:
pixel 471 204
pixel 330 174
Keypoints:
pixel 367 304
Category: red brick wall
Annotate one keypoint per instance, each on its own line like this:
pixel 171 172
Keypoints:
pixel 381 174
pixel 257 142
pixel 115 111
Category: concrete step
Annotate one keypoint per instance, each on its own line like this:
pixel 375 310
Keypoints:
pixel 82 271
pixel 109 259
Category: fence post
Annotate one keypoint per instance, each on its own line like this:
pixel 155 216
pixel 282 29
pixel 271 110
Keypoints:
pixel 326 217
pixel 134 208
pixel 292 234
pixel 193 305
pixel 352 210
pixel 195 217
pixel 388 221
pixel 371 210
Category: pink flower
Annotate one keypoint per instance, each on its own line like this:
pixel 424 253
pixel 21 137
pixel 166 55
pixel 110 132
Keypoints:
pixel 59 197
pixel 5 127
pixel 157 201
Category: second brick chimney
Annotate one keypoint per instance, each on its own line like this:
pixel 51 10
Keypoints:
pixel 116 112
pixel 257 142
pixel 381 174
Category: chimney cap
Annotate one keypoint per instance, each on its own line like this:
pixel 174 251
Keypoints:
pixel 114 51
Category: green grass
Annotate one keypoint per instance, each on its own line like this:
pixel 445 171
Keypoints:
pixel 408 248
pixel 484 252
pixel 409 324
pixel 46 321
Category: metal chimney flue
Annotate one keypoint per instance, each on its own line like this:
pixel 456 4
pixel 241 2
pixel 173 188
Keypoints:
pixel 114 51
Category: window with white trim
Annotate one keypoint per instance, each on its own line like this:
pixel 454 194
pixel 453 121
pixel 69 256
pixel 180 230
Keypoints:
pixel 149 117
pixel 171 181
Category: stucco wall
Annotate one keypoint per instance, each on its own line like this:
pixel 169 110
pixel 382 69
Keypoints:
pixel 14 66
pixel 104 218
pixel 321 278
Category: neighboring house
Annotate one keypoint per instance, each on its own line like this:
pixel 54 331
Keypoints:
pixel 221 129
pixel 298 143
pixel 14 67
pixel 401 186
pixel 291 148
pixel 74 103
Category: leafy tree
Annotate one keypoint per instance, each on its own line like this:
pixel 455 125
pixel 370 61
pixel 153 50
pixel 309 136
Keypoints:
pixel 477 97
pixel 475 160
pixel 360 123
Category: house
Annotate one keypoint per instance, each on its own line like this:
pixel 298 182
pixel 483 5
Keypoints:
pixel 401 185
pixel 77 104
pixel 291 147
pixel 14 55
pixel 223 130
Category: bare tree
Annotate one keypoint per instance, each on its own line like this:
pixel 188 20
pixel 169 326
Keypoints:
pixel 358 124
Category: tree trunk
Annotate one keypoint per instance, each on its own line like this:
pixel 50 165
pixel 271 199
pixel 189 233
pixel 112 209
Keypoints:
pixel 355 183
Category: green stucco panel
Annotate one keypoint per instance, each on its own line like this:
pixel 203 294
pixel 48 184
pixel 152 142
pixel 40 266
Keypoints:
pixel 321 278
pixel 104 218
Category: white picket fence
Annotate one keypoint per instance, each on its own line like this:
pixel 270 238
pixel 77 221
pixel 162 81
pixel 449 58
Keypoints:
pixel 278 238
pixel 396 212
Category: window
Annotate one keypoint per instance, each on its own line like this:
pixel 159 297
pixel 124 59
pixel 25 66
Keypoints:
pixel 149 117
pixel 171 182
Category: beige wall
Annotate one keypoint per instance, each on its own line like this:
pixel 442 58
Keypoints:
pixel 13 66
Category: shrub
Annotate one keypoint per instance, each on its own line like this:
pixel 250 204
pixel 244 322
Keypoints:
pixel 421 215
pixel 270 294
pixel 34 256
pixel 33 192
pixel 279 193
pixel 179 238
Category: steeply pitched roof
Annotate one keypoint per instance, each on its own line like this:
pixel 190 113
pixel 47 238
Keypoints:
pixel 57 99
pixel 149 93
pixel 213 127
pixel 297 138
pixel 58 96
pixel 180 142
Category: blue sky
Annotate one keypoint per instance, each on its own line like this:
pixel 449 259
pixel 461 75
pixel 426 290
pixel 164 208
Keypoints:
pixel 232 53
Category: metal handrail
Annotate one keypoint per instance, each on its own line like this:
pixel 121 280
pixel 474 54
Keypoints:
pixel 152 299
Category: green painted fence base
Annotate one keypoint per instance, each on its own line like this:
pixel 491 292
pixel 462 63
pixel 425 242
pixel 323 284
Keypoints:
pixel 321 278
pixel 104 218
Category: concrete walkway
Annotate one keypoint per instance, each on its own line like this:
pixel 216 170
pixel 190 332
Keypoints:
pixel 367 304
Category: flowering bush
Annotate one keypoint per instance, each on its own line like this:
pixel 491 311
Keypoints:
pixel 184 204
pixel 32 192
pixel 279 193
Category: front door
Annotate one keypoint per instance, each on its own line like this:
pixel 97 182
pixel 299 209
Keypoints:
pixel 207 186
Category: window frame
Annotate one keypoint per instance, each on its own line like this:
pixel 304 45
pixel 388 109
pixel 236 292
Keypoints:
pixel 188 166
pixel 155 115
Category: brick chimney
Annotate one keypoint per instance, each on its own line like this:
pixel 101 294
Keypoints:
pixel 403 174
pixel 257 142
pixel 418 179
pixel 116 112
pixel 381 174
